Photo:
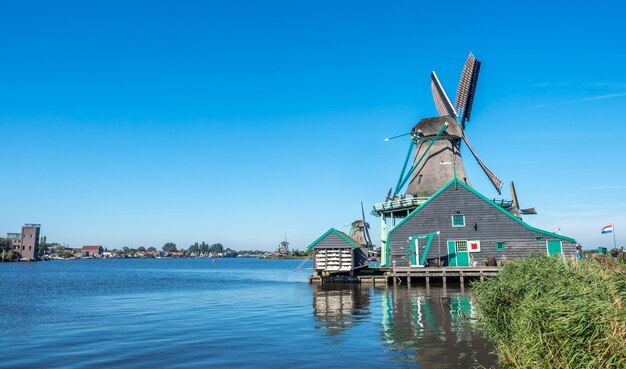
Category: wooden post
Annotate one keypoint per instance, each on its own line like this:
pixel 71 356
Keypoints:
pixel 482 276
pixel 427 279
pixel 408 279
pixel 462 280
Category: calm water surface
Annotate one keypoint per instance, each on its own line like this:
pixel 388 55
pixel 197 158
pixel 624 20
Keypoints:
pixel 236 313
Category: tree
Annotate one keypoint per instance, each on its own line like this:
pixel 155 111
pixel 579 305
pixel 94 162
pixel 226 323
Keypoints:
pixel 151 249
pixel 6 250
pixel 194 249
pixel 169 247
pixel 44 249
pixel 204 248
pixel 216 248
pixel 141 248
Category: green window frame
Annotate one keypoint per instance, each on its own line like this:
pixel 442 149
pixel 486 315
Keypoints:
pixel 458 220
pixel 538 238
pixel 500 246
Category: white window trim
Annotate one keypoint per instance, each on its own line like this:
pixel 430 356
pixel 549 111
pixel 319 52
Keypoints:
pixel 452 220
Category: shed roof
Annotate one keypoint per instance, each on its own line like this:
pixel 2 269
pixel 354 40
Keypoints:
pixel 345 237
pixel 481 196
pixel 92 247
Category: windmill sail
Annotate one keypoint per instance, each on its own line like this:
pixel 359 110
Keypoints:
pixel 529 211
pixel 495 181
pixel 467 88
pixel 366 227
pixel 442 102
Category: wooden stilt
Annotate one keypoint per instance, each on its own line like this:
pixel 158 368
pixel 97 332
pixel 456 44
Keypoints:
pixel 462 280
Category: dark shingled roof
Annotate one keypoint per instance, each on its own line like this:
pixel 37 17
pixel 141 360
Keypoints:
pixel 430 126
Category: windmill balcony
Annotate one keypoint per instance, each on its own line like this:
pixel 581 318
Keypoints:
pixel 407 202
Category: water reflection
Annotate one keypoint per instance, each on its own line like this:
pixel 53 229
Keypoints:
pixel 337 307
pixel 430 328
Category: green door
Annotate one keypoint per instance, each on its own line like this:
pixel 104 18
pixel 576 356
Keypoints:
pixel 414 251
pixel 451 254
pixel 462 254
pixel 554 248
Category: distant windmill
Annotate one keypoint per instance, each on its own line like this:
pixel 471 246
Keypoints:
pixel 283 247
pixel 359 230
pixel 438 139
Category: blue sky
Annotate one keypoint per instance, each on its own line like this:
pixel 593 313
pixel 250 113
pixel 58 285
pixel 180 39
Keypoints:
pixel 138 123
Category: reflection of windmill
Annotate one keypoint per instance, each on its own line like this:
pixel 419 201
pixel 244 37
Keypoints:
pixel 437 139
pixel 359 230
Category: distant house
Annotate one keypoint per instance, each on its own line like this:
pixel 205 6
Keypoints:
pixel 96 251
pixel 26 243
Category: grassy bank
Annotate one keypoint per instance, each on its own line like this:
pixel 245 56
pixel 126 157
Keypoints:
pixel 550 312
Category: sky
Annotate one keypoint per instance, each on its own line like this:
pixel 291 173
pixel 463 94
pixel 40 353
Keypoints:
pixel 132 123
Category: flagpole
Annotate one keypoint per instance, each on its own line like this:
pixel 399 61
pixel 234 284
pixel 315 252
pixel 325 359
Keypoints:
pixel 614 244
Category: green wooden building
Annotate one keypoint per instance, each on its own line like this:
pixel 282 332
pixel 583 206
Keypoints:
pixel 458 226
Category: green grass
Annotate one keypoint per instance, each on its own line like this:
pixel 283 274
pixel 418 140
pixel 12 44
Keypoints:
pixel 552 312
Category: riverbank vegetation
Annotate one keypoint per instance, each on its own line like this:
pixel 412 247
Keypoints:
pixel 552 312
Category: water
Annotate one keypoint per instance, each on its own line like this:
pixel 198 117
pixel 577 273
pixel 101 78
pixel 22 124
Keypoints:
pixel 235 313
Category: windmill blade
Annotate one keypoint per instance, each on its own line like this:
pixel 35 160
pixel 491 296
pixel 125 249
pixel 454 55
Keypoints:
pixel 363 213
pixel 442 102
pixel 366 227
pixel 514 196
pixel 495 181
pixel 518 211
pixel 467 88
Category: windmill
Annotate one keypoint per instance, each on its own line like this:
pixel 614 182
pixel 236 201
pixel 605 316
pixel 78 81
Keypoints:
pixel 283 247
pixel 437 141
pixel 359 230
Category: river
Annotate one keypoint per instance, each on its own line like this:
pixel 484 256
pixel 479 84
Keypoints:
pixel 231 313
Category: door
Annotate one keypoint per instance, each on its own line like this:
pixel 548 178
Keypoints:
pixel 451 254
pixel 458 253
pixel 554 248
pixel 462 254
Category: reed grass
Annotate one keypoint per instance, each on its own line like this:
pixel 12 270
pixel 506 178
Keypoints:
pixel 553 312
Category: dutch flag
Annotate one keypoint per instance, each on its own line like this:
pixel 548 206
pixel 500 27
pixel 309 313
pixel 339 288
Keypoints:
pixel 607 229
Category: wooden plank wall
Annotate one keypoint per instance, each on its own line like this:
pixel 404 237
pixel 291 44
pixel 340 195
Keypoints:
pixel 483 222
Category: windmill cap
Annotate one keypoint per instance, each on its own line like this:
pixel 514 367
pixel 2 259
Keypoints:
pixel 431 126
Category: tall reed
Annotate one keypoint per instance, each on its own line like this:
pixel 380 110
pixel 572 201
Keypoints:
pixel 552 312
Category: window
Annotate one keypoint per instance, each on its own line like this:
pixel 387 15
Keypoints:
pixel 538 238
pixel 458 220
pixel 419 180
pixel 461 246
pixel 500 246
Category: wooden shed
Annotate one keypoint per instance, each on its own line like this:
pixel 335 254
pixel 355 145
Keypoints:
pixel 338 253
